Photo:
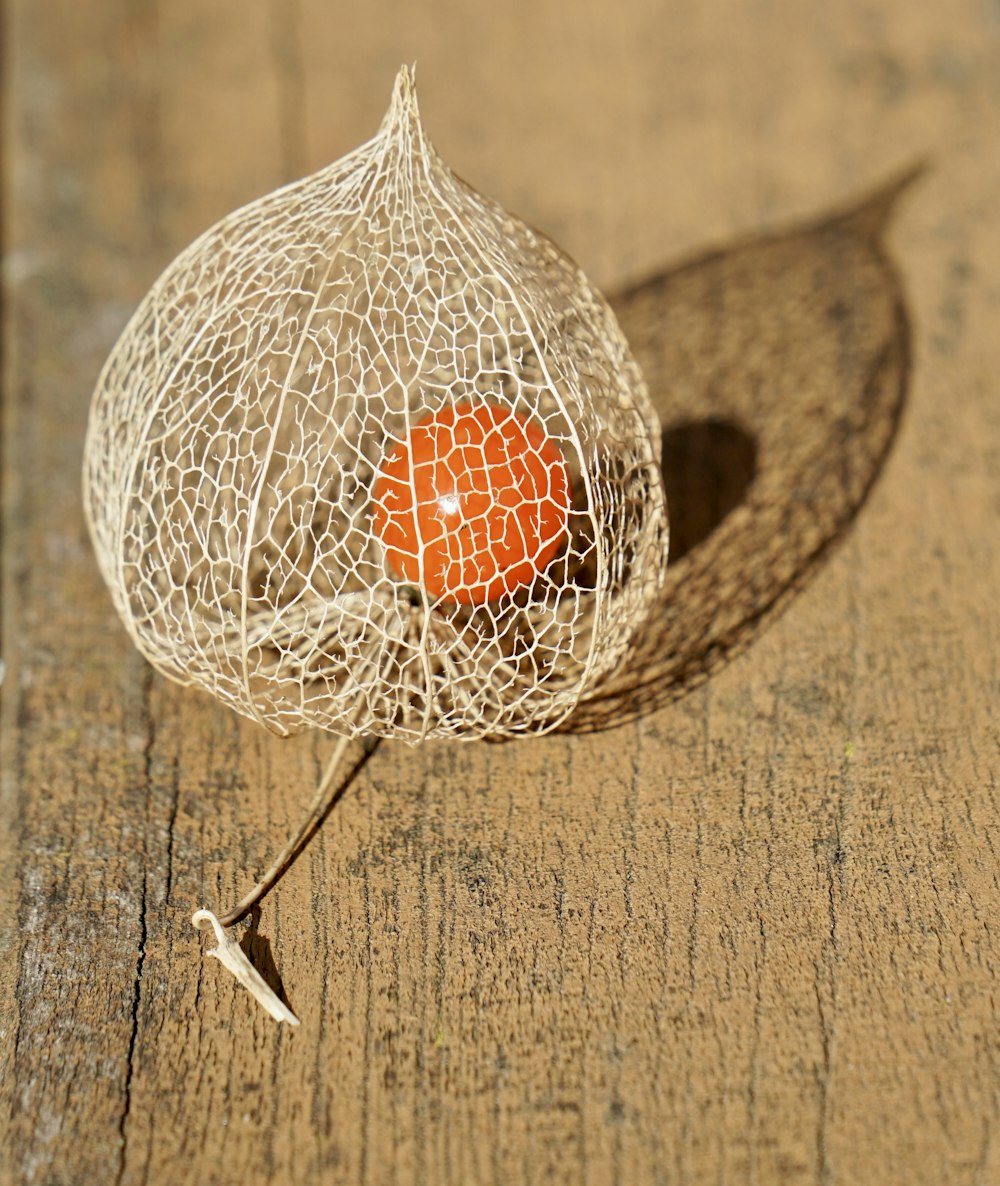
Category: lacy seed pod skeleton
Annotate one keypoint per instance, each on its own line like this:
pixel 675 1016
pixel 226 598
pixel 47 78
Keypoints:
pixel 272 439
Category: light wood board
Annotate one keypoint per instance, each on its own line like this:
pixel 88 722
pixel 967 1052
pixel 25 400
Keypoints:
pixel 750 936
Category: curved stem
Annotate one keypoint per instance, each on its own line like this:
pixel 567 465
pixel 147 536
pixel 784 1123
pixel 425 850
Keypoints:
pixel 229 953
pixel 328 792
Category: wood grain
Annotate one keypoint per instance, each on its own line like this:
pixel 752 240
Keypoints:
pixel 747 937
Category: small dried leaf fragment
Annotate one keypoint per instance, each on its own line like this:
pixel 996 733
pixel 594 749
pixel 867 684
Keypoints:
pixel 231 956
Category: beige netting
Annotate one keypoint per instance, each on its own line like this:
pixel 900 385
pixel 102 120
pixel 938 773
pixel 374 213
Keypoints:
pixel 267 412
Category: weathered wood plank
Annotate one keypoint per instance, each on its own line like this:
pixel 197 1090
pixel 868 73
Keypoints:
pixel 749 937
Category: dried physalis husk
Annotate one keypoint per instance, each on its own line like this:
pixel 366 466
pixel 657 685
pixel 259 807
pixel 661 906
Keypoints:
pixel 272 440
pixel 372 456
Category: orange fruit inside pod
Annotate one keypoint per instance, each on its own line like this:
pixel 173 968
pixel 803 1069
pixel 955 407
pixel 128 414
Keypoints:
pixel 472 504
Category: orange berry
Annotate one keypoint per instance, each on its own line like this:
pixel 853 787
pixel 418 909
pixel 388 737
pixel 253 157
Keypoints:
pixel 474 503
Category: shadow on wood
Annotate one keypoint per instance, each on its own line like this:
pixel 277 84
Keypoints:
pixel 257 948
pixel 708 466
pixel 778 368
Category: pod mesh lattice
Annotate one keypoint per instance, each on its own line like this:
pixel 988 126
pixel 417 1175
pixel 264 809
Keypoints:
pixel 240 424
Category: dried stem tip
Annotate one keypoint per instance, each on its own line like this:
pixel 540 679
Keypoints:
pixel 231 955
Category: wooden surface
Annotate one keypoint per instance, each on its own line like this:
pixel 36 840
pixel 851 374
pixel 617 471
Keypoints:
pixel 747 936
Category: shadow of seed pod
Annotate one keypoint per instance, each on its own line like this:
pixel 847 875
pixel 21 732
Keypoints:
pixel 778 368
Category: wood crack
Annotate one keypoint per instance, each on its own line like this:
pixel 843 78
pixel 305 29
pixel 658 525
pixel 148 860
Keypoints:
pixel 133 1038
pixel 146 685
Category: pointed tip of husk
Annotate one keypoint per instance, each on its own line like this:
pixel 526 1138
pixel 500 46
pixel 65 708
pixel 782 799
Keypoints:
pixel 406 82
pixel 403 109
